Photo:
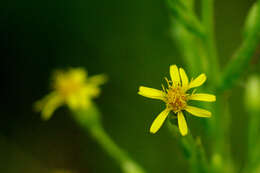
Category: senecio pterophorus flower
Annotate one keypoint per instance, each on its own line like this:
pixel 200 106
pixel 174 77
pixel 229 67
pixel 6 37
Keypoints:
pixel 176 97
pixel 72 88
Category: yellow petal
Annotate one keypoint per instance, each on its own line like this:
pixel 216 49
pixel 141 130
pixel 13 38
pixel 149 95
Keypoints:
pixel 39 105
pixel 203 97
pixel 174 73
pixel 198 81
pixel 184 78
pixel 157 123
pixel 97 79
pixel 78 74
pixel 90 91
pixel 49 104
pixel 198 111
pixel 151 93
pixel 182 124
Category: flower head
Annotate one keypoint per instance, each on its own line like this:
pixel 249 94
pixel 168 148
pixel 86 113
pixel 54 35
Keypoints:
pixel 71 87
pixel 177 97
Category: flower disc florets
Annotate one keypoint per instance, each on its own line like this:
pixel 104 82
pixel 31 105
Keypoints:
pixel 69 83
pixel 176 98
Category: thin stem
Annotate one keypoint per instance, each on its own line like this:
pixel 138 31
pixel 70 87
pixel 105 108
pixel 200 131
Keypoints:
pixel 127 165
pixel 220 129
pixel 252 105
pixel 192 150
pixel 187 18
pixel 189 42
pixel 209 41
pixel 108 145
pixel 221 135
pixel 243 55
pixel 90 122
pixel 188 46
pixel 253 141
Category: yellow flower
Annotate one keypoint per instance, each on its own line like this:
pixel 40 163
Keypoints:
pixel 61 171
pixel 71 87
pixel 177 97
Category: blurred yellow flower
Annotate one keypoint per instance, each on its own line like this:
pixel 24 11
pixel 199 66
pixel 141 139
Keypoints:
pixel 176 97
pixel 71 87
pixel 61 171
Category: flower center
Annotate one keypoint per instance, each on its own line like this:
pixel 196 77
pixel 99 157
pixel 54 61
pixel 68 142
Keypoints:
pixel 68 87
pixel 176 98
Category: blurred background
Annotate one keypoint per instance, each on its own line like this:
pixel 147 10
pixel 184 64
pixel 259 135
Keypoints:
pixel 128 40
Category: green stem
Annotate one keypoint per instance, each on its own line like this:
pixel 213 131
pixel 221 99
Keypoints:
pixel 108 145
pixel 127 165
pixel 187 18
pixel 90 123
pixel 192 150
pixel 188 42
pixel 187 45
pixel 221 136
pixel 209 39
pixel 252 105
pixel 221 152
pixel 253 142
pixel 242 57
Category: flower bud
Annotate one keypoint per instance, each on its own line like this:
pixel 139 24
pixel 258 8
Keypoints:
pixel 252 94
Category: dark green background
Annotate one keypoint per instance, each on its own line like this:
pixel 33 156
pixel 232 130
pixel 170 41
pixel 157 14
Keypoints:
pixel 128 40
